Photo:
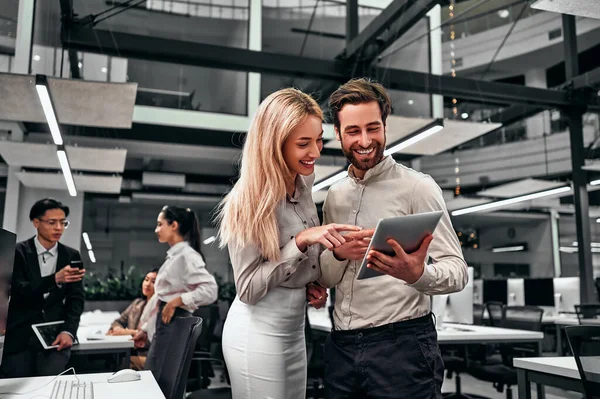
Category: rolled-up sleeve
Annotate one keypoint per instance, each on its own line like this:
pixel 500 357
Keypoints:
pixel 448 271
pixel 255 276
pixel 204 288
pixel 332 269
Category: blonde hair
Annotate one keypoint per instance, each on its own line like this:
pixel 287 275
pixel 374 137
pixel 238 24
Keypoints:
pixel 247 215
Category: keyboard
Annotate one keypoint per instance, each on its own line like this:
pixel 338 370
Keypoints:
pixel 72 389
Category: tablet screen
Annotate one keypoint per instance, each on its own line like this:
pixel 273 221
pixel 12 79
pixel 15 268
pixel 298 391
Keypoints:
pixel 47 332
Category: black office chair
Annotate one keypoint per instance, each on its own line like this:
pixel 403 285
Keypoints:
pixel 478 311
pixel 495 312
pixel 504 376
pixel 587 311
pixel 201 372
pixel 174 374
pixel 585 345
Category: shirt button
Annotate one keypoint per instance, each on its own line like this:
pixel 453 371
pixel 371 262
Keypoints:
pixel 304 222
pixel 354 211
pixel 347 296
pixel 314 266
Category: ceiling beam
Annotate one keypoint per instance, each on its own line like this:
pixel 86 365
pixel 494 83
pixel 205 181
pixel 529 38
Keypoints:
pixel 207 55
pixel 514 113
pixel 395 20
pixel 587 80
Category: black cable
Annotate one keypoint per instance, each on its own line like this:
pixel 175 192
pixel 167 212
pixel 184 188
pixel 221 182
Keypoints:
pixel 312 18
pixel 62 60
pixel 489 66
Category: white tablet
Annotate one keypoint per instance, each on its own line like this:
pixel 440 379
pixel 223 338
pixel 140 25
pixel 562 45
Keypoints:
pixel 407 230
pixel 47 332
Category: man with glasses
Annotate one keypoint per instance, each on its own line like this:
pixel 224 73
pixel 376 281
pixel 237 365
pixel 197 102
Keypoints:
pixel 45 287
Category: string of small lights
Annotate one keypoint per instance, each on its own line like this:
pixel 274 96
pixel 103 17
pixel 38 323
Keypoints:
pixel 452 53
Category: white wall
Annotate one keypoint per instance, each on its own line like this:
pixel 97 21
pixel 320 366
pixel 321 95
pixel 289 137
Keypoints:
pixel 28 196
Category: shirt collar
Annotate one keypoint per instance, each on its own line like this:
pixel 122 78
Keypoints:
pixel 301 187
pixel 41 250
pixel 177 248
pixel 386 163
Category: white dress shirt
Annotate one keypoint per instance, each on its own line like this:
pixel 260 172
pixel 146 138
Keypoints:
pixel 184 274
pixel 389 189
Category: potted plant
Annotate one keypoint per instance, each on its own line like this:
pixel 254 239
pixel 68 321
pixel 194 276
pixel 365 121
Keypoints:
pixel 110 292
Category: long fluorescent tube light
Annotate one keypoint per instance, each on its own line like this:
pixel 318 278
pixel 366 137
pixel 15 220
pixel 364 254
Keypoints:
pixel 92 256
pixel 329 181
pixel 44 95
pixel 413 140
pixel 510 201
pixel 514 248
pixel 209 240
pixel 595 182
pixel 86 239
pixel 66 169
pixel 594 244
pixel 572 250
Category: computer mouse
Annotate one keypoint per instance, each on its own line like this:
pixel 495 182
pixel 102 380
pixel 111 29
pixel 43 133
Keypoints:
pixel 125 375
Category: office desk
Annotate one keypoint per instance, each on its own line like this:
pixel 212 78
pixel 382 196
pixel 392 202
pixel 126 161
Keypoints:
pixel 118 346
pixel 560 372
pixel 451 333
pixel 562 322
pixel 146 388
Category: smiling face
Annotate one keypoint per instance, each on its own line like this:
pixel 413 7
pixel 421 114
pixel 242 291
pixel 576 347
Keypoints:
pixel 362 135
pixel 303 146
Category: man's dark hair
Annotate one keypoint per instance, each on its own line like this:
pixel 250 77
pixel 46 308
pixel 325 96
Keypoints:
pixel 358 91
pixel 40 207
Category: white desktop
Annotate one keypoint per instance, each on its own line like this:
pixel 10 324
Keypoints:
pixel 456 307
pixel 566 294
pixel 516 292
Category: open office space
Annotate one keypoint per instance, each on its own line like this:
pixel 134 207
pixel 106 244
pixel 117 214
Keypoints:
pixel 114 112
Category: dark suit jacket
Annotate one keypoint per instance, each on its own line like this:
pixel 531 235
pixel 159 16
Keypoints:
pixel 27 304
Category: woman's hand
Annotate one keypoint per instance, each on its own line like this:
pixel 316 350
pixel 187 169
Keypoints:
pixel 169 309
pixel 140 340
pixel 316 295
pixel 328 235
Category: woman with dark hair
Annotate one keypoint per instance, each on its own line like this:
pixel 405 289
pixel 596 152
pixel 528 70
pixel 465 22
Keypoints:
pixel 182 285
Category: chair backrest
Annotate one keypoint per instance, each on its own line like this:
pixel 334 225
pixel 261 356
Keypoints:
pixel 184 336
pixel 585 345
pixel 587 311
pixel 210 318
pixel 478 310
pixel 495 312
pixel 522 318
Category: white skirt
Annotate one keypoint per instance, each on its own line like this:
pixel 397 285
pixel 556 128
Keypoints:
pixel 264 346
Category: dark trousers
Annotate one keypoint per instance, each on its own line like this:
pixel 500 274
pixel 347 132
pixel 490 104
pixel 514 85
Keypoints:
pixel 159 347
pixel 398 360
pixel 34 361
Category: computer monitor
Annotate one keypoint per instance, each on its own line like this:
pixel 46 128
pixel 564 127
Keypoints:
pixel 567 290
pixel 8 241
pixel 456 307
pixel 539 292
pixel 495 291
pixel 459 307
pixel 516 292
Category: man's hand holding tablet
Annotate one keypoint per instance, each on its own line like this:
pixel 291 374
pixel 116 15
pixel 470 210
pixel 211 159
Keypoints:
pixel 404 266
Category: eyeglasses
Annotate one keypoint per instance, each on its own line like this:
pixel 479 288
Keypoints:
pixel 53 222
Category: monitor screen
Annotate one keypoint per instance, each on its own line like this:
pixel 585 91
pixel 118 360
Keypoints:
pixel 539 291
pixel 495 291
pixel 7 258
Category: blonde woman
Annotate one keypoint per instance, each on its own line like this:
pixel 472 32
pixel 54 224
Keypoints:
pixel 270 225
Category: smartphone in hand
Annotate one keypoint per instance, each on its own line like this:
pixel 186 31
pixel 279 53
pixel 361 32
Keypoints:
pixel 77 263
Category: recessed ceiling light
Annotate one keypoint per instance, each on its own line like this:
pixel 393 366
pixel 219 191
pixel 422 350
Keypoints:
pixel 80 65
pixel 36 57
pixel 104 70
pixel 504 13
pixel 464 115
pixel 410 102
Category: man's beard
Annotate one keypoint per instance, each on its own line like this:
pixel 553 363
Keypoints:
pixel 368 164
